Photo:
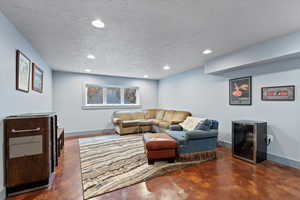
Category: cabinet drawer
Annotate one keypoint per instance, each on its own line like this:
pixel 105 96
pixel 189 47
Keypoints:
pixel 26 127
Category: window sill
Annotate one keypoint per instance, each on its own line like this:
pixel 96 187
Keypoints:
pixel 100 107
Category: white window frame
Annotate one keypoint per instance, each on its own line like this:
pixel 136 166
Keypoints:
pixel 86 106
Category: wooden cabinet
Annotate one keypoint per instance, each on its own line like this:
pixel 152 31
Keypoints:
pixel 249 140
pixel 30 151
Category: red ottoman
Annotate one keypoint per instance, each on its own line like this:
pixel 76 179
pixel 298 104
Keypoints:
pixel 159 146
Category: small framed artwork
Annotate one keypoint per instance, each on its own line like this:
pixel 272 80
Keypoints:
pixel 278 93
pixel 240 91
pixel 37 78
pixel 22 72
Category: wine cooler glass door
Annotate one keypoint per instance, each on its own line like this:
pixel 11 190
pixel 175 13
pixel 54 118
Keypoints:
pixel 244 144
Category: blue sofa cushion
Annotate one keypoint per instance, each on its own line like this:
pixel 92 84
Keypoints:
pixel 176 127
pixel 179 136
pixel 199 134
pixel 203 125
pixel 213 124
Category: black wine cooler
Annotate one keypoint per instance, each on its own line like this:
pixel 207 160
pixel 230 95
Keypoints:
pixel 249 140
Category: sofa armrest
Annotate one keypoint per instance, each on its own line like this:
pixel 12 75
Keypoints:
pixel 116 121
pixel 176 128
pixel 200 134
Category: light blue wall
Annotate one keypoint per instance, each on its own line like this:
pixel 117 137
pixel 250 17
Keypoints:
pixel 13 101
pixel 207 96
pixel 68 100
pixel 274 49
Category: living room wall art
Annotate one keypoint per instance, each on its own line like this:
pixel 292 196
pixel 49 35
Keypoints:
pixel 278 93
pixel 37 78
pixel 23 65
pixel 240 91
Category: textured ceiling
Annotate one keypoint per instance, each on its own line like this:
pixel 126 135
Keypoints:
pixel 141 36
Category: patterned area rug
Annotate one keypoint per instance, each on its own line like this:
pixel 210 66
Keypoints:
pixel 111 164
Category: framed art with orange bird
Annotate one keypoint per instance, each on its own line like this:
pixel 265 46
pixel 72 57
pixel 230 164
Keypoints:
pixel 240 91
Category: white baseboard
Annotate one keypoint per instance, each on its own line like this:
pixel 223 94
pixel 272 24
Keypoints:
pixel 85 132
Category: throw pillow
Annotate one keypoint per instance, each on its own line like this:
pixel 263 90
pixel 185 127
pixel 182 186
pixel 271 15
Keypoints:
pixel 203 125
pixel 190 123
pixel 184 123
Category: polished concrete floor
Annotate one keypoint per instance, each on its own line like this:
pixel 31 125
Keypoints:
pixel 226 178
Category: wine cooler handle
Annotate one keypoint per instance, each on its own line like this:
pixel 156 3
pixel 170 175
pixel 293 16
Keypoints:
pixel 26 130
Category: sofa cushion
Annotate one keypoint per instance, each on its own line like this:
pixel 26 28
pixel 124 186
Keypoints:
pixel 164 124
pixel 190 123
pixel 199 134
pixel 203 125
pixel 150 113
pixel 155 121
pixel 123 116
pixel 179 136
pixel 176 128
pixel 213 124
pixel 169 115
pixel 133 129
pixel 137 115
pixel 180 116
pixel 160 114
pixel 137 122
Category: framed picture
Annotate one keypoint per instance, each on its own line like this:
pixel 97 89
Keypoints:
pixel 23 72
pixel 240 91
pixel 278 93
pixel 37 78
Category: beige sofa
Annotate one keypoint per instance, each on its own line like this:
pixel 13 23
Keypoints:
pixel 151 120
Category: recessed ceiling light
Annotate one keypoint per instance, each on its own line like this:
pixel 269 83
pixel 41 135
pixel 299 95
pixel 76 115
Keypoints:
pixel 88 70
pixel 90 56
pixel 98 23
pixel 146 76
pixel 167 67
pixel 207 51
